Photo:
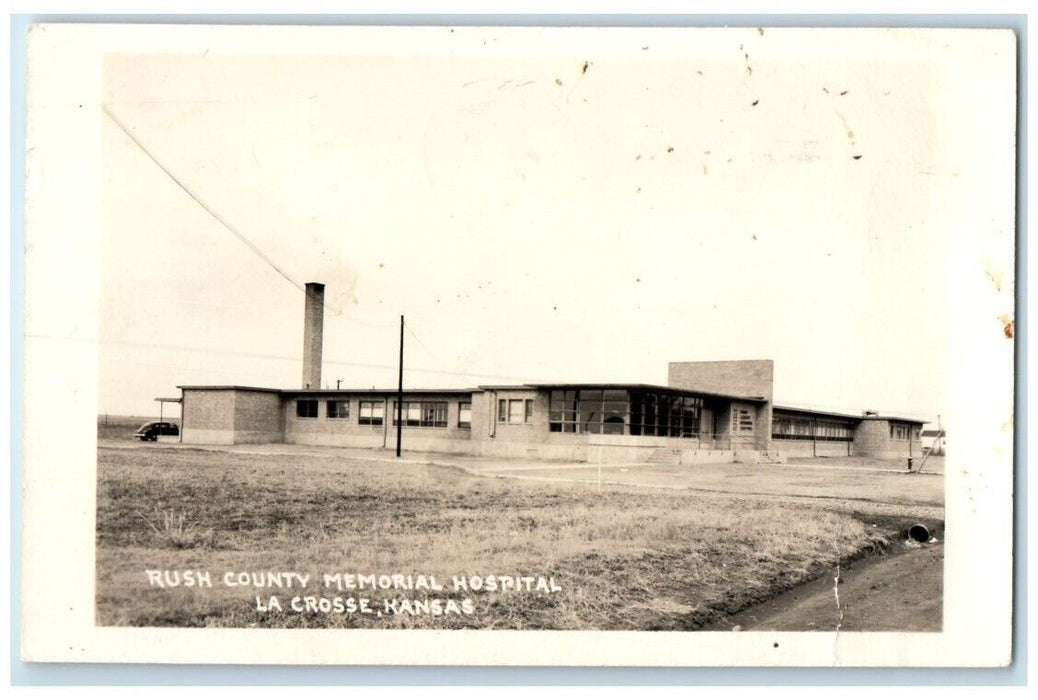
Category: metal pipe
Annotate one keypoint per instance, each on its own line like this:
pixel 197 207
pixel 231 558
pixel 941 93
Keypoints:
pixel 400 391
pixel 919 533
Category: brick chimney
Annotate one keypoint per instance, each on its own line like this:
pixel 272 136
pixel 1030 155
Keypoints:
pixel 313 334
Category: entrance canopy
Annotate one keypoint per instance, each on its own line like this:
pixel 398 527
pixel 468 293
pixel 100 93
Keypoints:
pixel 162 405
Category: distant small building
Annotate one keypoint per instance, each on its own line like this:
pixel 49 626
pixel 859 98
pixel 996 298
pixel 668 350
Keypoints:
pixel 707 412
pixel 933 441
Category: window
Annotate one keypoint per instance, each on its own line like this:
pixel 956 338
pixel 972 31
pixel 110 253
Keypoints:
pixel 833 431
pixel 465 414
pixel 306 408
pixel 371 412
pixel 617 412
pixel 664 415
pixel 589 411
pixel 338 409
pixel 514 410
pixel 562 412
pixel 899 431
pixel 786 427
pixel 425 414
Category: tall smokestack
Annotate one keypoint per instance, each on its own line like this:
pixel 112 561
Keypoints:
pixel 313 335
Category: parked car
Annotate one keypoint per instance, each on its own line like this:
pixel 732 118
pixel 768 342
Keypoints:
pixel 151 431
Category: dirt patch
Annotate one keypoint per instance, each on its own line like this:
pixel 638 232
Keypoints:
pixel 901 590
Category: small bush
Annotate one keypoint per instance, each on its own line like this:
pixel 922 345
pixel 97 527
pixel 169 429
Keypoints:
pixel 174 529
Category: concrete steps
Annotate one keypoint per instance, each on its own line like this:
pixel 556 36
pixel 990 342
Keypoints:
pixel 663 455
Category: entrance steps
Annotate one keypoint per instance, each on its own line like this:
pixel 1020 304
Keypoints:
pixel 662 455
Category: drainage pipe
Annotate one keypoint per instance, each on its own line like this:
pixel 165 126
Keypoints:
pixel 919 533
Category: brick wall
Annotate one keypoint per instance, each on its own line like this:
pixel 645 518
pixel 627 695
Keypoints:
pixel 208 417
pixel 208 409
pixel 531 439
pixel 736 377
pixel 872 439
pixel 322 430
pixel 349 432
pixel 257 417
pixel 231 416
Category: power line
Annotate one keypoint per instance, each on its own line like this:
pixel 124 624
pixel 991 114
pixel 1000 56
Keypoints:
pixel 418 370
pixel 335 311
pixel 189 368
pixel 369 324
pixel 423 345
pixel 268 356
pixel 212 212
pixel 226 224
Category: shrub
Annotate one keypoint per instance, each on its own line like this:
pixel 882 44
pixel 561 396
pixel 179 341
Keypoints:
pixel 174 529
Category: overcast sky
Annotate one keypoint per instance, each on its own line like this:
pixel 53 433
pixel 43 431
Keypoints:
pixel 572 215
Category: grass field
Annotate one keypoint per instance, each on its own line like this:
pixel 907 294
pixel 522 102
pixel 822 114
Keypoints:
pixel 874 492
pixel 623 557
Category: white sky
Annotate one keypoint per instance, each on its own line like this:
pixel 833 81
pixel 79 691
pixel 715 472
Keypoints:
pixel 689 197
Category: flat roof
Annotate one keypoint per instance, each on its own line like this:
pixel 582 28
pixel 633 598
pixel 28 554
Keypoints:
pixel 379 392
pixel 846 414
pixel 225 387
pixel 902 419
pixel 294 392
pixel 819 412
pixel 651 387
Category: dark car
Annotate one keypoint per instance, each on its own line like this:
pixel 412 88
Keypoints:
pixel 151 431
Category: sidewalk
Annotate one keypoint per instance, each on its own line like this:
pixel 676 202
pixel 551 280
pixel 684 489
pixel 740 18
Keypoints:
pixel 471 463
pixel 481 465
pixel 849 467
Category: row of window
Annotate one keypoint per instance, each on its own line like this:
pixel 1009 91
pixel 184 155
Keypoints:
pixel 901 431
pixel 790 428
pixel 427 414
pixel 619 412
pixel 609 412
pixel 431 414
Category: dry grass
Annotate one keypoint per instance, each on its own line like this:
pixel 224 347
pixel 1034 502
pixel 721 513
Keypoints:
pixel 626 558
pixel 173 529
pixel 842 489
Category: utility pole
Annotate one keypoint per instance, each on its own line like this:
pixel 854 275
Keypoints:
pixel 400 391
pixel 936 440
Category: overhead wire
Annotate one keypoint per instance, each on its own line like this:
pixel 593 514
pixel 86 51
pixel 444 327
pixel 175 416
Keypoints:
pixel 269 261
pixel 434 356
pixel 418 340
pixel 202 203
pixel 269 356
